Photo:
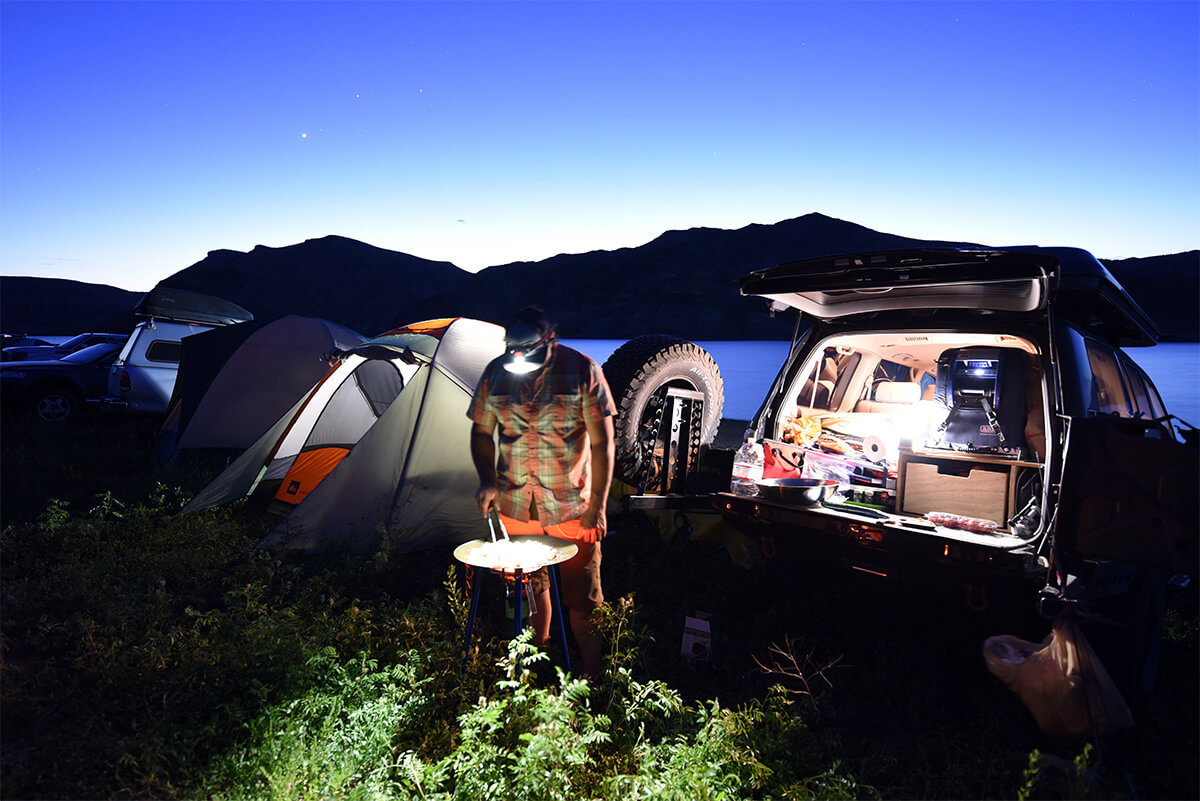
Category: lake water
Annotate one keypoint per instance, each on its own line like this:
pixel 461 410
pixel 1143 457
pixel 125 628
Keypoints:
pixel 749 367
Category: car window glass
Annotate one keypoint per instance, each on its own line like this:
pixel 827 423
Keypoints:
pixel 1108 389
pixel 164 350
pixel 91 353
pixel 1143 395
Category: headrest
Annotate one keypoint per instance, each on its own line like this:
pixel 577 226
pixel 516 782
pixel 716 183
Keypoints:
pixel 897 392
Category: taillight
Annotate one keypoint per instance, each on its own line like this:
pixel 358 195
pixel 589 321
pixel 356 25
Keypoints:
pixel 126 384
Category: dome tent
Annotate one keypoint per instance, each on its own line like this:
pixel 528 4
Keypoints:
pixel 235 381
pixel 380 443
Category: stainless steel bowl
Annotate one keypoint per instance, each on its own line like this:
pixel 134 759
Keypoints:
pixel 796 491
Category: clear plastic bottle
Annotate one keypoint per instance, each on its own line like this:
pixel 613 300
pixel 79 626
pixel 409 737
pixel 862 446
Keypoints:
pixel 747 468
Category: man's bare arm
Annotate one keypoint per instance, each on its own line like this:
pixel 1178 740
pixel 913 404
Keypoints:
pixel 603 453
pixel 483 454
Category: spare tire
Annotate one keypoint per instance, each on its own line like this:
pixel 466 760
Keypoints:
pixel 639 373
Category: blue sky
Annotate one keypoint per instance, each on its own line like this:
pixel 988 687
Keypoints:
pixel 136 137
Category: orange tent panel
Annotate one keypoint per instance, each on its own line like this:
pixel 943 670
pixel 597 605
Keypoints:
pixel 434 328
pixel 309 469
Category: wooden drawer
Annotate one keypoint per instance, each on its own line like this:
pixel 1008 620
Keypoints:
pixel 933 484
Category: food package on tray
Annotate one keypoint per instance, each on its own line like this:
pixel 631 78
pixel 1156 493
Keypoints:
pixel 802 431
pixel 845 469
pixel 962 522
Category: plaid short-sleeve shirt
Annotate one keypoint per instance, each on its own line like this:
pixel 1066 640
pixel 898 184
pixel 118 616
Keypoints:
pixel 543 449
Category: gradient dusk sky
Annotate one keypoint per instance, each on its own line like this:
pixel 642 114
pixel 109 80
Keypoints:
pixel 137 136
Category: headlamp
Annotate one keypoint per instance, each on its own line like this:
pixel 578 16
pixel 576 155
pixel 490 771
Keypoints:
pixel 526 349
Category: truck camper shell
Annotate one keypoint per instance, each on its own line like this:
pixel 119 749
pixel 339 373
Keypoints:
pixel 185 306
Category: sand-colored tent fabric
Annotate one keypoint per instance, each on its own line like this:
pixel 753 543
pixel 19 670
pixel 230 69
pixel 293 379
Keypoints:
pixel 399 447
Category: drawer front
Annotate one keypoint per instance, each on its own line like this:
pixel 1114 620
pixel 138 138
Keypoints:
pixel 973 492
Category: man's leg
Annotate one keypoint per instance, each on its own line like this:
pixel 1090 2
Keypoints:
pixel 541 617
pixel 581 594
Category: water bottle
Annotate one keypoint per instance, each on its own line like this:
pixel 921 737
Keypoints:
pixel 747 468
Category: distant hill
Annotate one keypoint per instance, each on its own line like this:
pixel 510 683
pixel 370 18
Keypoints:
pixel 58 306
pixel 682 283
pixel 1168 288
pixel 363 287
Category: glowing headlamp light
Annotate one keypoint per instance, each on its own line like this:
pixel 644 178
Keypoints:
pixel 523 358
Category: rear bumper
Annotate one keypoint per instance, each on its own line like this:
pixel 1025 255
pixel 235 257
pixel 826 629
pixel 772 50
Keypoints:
pixel 871 542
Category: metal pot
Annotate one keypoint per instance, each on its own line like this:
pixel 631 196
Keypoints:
pixel 797 491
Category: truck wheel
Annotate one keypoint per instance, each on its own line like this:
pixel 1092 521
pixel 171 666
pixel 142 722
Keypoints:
pixel 639 374
pixel 55 404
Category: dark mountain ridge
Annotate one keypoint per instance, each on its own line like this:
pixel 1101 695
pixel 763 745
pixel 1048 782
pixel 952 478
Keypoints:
pixel 681 282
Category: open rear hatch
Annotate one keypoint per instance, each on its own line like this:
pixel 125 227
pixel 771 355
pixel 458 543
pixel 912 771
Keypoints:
pixel 841 286
pixel 1012 280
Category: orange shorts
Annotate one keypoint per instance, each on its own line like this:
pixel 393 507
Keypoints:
pixel 579 586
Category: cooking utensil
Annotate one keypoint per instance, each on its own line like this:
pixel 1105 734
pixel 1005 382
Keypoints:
pixel 495 524
pixel 505 554
pixel 797 491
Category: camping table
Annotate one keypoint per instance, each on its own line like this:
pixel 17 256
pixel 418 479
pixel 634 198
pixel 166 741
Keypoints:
pixel 471 554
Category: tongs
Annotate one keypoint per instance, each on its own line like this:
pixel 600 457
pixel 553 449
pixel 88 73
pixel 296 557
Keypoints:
pixel 494 524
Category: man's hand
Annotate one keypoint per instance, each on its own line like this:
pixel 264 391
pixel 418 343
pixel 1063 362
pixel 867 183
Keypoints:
pixel 487 496
pixel 593 524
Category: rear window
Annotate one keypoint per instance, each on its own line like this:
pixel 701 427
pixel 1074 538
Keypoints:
pixel 1109 395
pixel 164 350
pixel 1144 397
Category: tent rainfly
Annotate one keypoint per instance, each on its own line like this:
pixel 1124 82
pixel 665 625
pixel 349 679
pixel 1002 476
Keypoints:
pixel 379 446
pixel 236 380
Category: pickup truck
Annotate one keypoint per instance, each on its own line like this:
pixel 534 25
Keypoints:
pixel 142 378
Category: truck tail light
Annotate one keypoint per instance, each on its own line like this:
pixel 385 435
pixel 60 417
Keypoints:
pixel 126 384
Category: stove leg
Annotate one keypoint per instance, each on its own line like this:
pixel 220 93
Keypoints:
pixel 558 613
pixel 518 601
pixel 475 581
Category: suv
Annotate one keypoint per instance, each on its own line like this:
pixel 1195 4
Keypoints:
pixel 142 378
pixel 43 352
pixel 969 414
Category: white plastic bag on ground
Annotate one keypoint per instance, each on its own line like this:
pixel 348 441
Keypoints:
pixel 1061 681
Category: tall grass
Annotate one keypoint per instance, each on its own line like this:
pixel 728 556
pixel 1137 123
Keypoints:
pixel 146 654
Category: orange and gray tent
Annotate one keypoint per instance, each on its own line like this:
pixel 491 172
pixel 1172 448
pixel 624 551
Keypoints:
pixel 379 447
pixel 234 381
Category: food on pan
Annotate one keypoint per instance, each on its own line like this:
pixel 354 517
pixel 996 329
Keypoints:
pixel 518 552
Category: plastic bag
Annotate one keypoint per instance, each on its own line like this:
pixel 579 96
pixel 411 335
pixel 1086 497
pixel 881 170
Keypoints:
pixel 1061 681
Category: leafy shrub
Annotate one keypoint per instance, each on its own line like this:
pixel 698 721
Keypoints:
pixel 147 654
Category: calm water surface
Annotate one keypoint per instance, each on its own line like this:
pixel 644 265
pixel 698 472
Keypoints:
pixel 749 367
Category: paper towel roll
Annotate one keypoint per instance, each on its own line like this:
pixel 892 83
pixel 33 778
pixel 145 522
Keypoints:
pixel 880 449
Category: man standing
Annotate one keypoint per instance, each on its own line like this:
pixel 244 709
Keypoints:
pixel 545 410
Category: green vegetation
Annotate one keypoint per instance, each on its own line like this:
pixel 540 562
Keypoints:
pixel 146 654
